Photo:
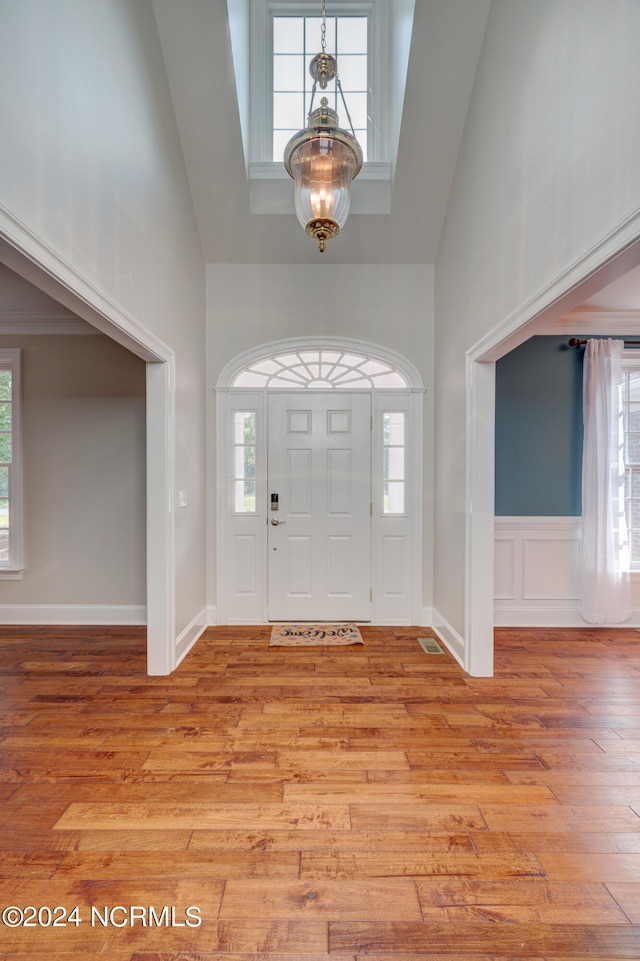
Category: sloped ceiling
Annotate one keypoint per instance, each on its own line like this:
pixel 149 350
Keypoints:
pixel 446 43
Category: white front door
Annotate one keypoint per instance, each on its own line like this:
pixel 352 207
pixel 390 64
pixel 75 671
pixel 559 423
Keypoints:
pixel 319 469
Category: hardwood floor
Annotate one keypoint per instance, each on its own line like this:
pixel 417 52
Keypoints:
pixel 369 803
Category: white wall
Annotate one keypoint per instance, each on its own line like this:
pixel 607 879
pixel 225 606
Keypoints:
pixel 549 167
pixel 91 170
pixel 84 482
pixel 252 304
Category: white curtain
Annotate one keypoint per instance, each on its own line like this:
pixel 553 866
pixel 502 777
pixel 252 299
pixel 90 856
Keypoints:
pixel 605 549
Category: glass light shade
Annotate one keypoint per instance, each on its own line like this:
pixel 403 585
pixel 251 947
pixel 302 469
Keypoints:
pixel 323 159
pixel 323 169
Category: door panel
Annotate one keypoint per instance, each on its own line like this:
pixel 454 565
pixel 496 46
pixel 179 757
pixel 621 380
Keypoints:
pixel 319 565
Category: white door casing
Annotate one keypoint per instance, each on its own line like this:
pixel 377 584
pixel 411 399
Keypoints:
pixel 319 468
pixel 244 537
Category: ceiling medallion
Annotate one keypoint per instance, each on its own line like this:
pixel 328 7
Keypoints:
pixel 323 158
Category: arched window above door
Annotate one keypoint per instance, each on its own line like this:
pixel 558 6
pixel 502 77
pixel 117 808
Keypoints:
pixel 320 369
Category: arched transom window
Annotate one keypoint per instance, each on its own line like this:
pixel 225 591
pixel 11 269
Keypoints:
pixel 320 370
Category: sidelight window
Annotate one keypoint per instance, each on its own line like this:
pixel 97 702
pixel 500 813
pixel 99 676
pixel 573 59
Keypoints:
pixel 244 432
pixel 393 427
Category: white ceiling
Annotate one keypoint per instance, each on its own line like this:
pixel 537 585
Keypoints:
pixel 446 43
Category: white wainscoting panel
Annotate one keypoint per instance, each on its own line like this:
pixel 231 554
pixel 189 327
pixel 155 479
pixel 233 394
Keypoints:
pixel 537 573
pixel 551 566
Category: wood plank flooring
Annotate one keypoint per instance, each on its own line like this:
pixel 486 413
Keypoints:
pixel 370 803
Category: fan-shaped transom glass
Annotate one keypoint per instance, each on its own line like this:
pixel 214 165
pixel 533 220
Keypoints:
pixel 320 370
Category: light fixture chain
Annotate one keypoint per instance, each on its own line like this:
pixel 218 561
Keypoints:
pixel 323 29
pixel 323 159
pixel 313 95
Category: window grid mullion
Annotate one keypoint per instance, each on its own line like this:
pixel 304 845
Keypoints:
pixel 307 53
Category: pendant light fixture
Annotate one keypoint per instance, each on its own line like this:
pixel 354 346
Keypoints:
pixel 323 158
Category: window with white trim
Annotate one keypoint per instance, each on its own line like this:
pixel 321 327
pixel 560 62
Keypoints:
pixel 631 407
pixel 244 461
pixel 285 37
pixel 388 42
pixel 11 563
pixel 393 473
pixel 320 370
pixel 295 40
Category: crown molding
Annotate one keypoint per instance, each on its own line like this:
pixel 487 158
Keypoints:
pixel 597 320
pixel 37 322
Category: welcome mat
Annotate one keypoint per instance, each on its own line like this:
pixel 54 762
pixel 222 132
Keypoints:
pixel 311 635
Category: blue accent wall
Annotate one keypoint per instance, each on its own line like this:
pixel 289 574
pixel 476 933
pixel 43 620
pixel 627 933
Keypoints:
pixel 539 429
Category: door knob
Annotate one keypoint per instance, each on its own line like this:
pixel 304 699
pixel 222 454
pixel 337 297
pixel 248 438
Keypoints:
pixel 275 522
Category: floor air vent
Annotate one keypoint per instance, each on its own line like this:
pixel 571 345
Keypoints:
pixel 429 645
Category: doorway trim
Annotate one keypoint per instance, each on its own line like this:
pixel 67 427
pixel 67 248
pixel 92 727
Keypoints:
pixel 29 256
pixel 229 397
pixel 616 254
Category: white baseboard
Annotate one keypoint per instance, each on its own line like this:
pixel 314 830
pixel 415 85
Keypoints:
pixel 551 617
pixel 187 638
pixel 425 617
pixel 449 637
pixel 537 617
pixel 212 615
pixel 95 614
